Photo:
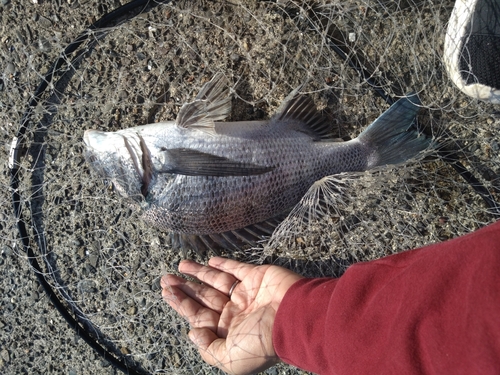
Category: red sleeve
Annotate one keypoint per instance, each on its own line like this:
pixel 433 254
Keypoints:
pixel 434 310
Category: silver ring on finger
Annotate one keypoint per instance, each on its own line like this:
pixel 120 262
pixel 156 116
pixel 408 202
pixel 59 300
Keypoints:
pixel 231 290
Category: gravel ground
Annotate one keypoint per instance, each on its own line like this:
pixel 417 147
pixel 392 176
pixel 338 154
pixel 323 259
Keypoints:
pixel 110 261
pixel 34 339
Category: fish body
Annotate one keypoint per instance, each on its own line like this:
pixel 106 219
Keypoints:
pixel 219 182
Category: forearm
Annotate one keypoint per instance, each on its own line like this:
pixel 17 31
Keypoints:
pixel 431 310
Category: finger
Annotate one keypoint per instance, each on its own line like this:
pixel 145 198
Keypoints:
pixel 203 294
pixel 238 269
pixel 222 281
pixel 206 340
pixel 197 315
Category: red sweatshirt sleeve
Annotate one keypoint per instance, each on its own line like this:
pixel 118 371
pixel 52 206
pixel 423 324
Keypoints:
pixel 434 310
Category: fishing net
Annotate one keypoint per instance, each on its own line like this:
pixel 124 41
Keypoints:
pixel 104 263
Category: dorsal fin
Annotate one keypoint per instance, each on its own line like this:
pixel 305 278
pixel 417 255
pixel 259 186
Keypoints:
pixel 213 103
pixel 300 112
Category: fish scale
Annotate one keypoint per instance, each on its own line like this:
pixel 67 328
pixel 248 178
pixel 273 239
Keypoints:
pixel 212 181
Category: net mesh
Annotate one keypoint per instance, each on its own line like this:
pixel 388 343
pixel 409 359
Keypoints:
pixel 106 263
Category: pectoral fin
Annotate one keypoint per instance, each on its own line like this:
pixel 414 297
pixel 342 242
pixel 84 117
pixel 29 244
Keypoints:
pixel 191 162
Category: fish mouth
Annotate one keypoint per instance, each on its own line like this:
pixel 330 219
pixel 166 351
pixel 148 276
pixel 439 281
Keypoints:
pixel 93 138
pixel 86 136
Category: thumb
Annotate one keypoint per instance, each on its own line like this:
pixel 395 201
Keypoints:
pixel 210 346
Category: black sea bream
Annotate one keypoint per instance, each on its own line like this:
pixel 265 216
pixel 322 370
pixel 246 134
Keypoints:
pixel 220 184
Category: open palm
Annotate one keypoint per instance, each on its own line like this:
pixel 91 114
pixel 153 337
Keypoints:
pixel 234 334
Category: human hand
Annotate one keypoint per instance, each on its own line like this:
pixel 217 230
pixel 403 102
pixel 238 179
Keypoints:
pixel 232 332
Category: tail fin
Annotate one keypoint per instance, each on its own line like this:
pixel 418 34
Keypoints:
pixel 391 137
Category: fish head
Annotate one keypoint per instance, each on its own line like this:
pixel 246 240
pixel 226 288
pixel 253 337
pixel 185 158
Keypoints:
pixel 120 159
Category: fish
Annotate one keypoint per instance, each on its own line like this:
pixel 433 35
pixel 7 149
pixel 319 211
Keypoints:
pixel 224 185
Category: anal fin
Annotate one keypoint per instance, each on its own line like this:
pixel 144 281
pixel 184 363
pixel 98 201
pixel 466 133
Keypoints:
pixel 250 236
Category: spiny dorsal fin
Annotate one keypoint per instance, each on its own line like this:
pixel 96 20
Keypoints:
pixel 213 103
pixel 301 112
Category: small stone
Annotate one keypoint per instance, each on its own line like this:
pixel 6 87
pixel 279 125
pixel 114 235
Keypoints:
pixel 20 37
pixel 93 260
pixel 176 359
pixel 155 285
pixel 44 45
pixel 495 146
pixel 443 220
pixel 132 310
pixel 123 95
pixel 77 242
pixel 10 69
pixel 45 22
pixel 89 269
pixel 34 296
pixel 108 107
pixel 5 355
pixel 7 250
pixel 124 350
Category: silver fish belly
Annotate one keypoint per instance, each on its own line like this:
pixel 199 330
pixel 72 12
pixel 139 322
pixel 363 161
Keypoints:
pixel 220 184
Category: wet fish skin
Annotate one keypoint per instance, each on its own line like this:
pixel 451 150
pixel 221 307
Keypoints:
pixel 198 176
